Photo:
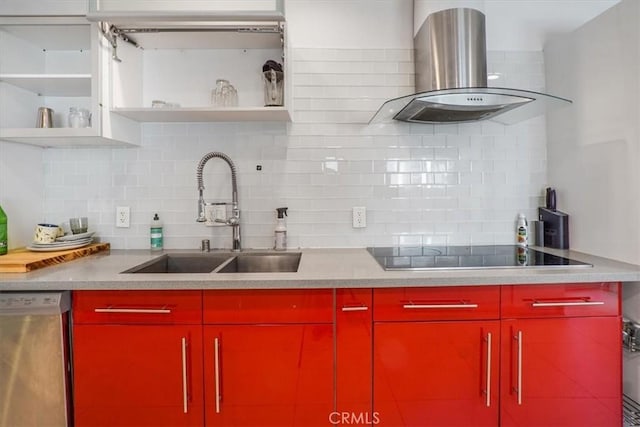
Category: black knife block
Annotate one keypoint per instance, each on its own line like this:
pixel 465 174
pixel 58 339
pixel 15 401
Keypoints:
pixel 556 228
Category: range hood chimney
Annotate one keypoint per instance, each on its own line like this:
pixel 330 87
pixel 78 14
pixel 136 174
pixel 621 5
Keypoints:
pixel 451 78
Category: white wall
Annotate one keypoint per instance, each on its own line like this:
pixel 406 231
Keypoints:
pixel 350 24
pixel 594 147
pixel 514 25
pixel 421 184
pixel 21 190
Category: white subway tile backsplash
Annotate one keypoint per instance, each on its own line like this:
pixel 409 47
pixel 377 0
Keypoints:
pixel 399 55
pixel 421 184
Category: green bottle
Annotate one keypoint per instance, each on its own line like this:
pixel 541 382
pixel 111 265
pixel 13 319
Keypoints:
pixel 4 236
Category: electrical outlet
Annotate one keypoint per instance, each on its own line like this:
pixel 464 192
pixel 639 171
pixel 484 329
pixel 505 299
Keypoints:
pixel 359 217
pixel 123 217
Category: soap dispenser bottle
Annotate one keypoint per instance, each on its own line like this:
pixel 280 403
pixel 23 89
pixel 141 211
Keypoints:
pixel 156 233
pixel 281 230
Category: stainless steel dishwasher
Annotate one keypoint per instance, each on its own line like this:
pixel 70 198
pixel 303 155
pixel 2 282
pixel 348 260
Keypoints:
pixel 34 359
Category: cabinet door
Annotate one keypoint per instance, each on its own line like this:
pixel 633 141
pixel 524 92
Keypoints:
pixel 268 375
pixel 252 9
pixel 560 300
pixel 43 7
pixel 137 307
pixel 436 373
pixel 135 375
pixel 275 306
pixel 437 303
pixel 354 364
pixel 561 372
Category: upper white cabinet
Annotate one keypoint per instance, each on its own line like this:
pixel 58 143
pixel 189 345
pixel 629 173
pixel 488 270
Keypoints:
pixel 54 62
pixel 166 71
pixel 43 7
pixel 181 10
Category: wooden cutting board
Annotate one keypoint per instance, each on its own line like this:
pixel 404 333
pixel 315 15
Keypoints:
pixel 23 260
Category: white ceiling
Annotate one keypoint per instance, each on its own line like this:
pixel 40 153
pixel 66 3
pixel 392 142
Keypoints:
pixel 522 24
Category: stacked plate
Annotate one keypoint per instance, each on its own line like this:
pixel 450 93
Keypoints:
pixel 68 241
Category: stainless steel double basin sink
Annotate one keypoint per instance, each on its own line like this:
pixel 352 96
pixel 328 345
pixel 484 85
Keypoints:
pixel 221 263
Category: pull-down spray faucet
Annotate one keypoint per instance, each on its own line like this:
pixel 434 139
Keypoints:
pixel 234 221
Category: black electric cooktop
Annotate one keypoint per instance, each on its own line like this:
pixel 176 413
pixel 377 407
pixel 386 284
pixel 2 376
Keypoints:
pixel 466 257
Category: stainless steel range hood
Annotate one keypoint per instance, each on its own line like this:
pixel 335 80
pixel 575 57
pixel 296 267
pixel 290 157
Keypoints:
pixel 451 78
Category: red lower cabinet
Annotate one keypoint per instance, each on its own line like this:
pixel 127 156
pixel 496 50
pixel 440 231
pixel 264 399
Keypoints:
pixel 269 358
pixel 138 375
pixel 561 355
pixel 268 375
pixel 354 362
pixel 554 359
pixel 262 358
pixel 436 373
pixel 509 356
pixel 436 356
pixel 561 372
pixel 137 358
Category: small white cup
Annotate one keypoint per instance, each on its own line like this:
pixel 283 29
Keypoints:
pixel 47 233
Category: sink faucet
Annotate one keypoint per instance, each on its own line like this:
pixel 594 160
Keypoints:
pixel 234 221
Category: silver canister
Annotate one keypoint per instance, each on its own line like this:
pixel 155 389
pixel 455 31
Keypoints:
pixel 45 118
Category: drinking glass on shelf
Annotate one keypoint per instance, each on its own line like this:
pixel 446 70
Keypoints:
pixel 224 95
pixel 79 117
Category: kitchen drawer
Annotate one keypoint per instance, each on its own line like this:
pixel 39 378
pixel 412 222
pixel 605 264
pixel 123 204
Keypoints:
pixel 137 307
pixel 268 306
pixel 561 300
pixel 437 303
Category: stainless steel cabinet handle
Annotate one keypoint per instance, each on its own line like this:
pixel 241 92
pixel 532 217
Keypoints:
pixel 412 306
pixel 565 304
pixel 184 375
pixel 518 338
pixel 488 369
pixel 216 367
pixel 355 308
pixel 133 310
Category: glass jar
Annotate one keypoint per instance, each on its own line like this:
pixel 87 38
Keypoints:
pixel 74 117
pixel 79 117
pixel 224 95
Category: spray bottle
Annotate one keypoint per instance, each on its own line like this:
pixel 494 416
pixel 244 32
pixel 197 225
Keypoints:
pixel 281 230
pixel 522 231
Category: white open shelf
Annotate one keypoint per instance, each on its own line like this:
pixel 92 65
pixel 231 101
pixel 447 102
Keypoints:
pixel 205 114
pixel 51 84
pixel 59 137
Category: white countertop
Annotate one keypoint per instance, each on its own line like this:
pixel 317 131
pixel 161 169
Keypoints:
pixel 319 268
